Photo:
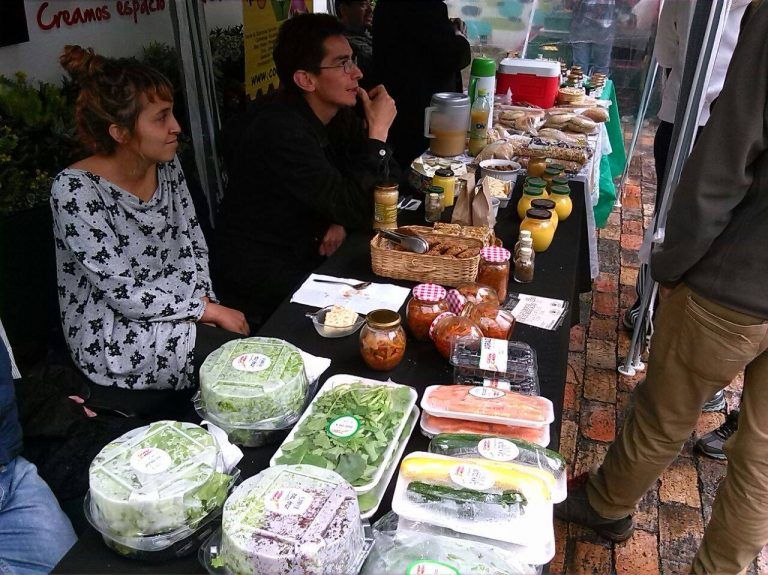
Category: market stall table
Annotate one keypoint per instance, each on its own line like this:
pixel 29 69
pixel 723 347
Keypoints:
pixel 561 272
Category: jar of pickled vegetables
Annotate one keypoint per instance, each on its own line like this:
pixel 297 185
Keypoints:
pixel 494 270
pixel 427 302
pixel 524 203
pixel 448 327
pixel 491 319
pixel 536 167
pixel 549 205
pixel 470 292
pixel 382 340
pixel 539 223
pixel 561 195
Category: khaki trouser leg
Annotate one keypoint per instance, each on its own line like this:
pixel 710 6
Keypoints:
pixel 692 357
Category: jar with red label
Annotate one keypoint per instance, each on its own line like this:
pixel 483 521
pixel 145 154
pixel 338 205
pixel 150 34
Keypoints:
pixel 494 270
pixel 427 303
pixel 494 322
pixel 448 327
pixel 382 340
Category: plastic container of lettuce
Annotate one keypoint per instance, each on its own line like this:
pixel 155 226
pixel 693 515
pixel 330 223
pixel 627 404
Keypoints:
pixel 488 499
pixel 154 491
pixel 411 548
pixel 353 427
pixel 516 451
pixel 255 383
pixel 289 519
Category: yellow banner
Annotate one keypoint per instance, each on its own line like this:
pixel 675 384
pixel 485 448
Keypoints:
pixel 261 20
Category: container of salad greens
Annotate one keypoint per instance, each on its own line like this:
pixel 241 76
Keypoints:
pixel 250 387
pixel 352 427
pixel 495 448
pixel 289 519
pixel 411 548
pixel 155 491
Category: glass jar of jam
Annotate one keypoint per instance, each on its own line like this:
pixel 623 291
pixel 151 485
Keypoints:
pixel 470 292
pixel 448 327
pixel 427 303
pixel 549 205
pixel 561 195
pixel 529 194
pixel 539 223
pixel 491 319
pixel 494 270
pixel 536 167
pixel 382 340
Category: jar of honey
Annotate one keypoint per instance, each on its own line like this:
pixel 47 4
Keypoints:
pixel 539 223
pixel 536 167
pixel 524 203
pixel 549 205
pixel 561 195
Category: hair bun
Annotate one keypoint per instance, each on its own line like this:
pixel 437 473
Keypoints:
pixel 80 62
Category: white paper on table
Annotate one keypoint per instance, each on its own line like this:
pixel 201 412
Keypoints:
pixel 314 366
pixel 536 311
pixel 375 296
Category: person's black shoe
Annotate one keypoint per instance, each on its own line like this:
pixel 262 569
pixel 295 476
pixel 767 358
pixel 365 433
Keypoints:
pixel 630 317
pixel 711 444
pixel 577 509
pixel 717 403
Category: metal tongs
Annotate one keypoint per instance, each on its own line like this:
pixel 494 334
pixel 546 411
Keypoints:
pixel 412 243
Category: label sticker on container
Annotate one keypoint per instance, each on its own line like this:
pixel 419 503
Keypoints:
pixel 497 383
pixel 493 354
pixel 472 477
pixel 344 426
pixel 497 449
pixel 251 362
pixel 288 501
pixel 487 392
pixel 151 460
pixel 430 568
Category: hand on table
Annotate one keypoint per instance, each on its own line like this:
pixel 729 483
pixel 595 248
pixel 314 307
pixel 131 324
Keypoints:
pixel 332 239
pixel 225 318
pixel 380 111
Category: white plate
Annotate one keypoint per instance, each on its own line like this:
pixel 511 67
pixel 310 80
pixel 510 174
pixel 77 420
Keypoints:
pixel 342 379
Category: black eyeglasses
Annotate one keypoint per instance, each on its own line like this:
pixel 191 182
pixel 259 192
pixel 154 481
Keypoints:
pixel 347 65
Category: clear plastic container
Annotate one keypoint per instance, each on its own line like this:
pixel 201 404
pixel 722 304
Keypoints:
pixel 473 365
pixel 352 426
pixel 432 425
pixel 254 380
pixel 487 405
pixel 471 446
pixel 292 519
pixel 411 548
pixel 490 499
pixel 155 486
pixel 369 501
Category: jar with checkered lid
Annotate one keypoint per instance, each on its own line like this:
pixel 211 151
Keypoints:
pixel 494 270
pixel 427 303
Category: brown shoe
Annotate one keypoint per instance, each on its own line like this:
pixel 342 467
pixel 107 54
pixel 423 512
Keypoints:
pixel 577 509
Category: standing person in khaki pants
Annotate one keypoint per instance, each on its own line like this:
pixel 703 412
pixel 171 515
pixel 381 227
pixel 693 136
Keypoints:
pixel 712 324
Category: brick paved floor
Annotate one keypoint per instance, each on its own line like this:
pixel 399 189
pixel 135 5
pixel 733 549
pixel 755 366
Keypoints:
pixel 671 518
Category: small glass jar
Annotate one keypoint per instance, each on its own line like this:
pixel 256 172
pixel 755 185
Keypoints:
pixel 539 223
pixel 494 270
pixel 385 198
pixel 427 302
pixel 524 203
pixel 536 167
pixel 550 173
pixel 433 206
pixel 524 266
pixel 524 243
pixel 382 340
pixel 560 170
pixel 476 293
pixel 445 179
pixel 561 195
pixel 546 204
pixel 491 319
pixel 448 327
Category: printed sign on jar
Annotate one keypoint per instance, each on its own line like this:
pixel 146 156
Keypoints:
pixel 261 21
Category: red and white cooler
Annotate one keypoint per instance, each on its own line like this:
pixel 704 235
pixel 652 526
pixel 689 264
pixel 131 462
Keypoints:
pixel 531 81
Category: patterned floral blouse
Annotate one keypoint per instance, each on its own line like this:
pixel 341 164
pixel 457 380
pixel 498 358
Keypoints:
pixel 130 278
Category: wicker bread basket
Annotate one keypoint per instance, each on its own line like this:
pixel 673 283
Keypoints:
pixel 442 270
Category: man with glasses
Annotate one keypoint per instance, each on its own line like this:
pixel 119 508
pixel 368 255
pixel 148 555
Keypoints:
pixel 302 168
pixel 357 17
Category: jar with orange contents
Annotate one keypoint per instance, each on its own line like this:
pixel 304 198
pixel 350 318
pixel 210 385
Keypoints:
pixel 494 270
pixel 493 321
pixel 382 340
pixel 561 195
pixel 549 205
pixel 539 223
pixel 536 167
pixel 448 327
pixel 529 194
pixel 427 303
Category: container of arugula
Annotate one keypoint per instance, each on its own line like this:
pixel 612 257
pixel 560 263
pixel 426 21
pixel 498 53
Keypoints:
pixel 351 427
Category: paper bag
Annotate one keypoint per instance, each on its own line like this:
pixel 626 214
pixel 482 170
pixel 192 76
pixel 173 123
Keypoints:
pixel 462 208
pixel 482 208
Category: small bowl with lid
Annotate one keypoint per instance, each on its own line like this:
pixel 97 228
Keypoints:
pixel 330 329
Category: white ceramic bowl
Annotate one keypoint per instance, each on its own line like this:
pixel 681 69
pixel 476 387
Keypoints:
pixel 498 169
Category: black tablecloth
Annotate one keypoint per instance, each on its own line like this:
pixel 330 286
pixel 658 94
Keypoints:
pixel 561 272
